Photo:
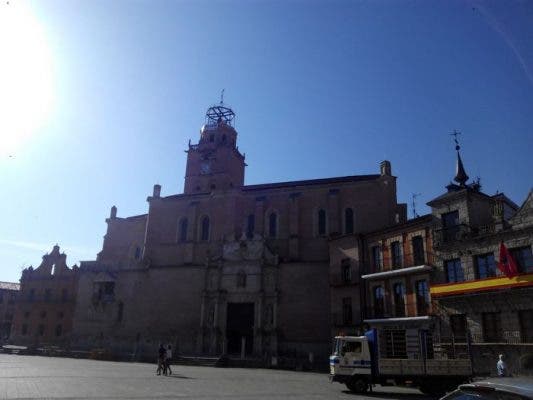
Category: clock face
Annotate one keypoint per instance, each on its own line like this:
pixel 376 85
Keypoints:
pixel 205 167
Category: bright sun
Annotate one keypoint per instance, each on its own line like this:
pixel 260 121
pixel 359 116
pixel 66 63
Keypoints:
pixel 26 94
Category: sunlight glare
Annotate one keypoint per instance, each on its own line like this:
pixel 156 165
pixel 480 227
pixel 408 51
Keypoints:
pixel 26 93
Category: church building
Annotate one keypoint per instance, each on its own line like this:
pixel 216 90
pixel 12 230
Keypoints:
pixel 224 267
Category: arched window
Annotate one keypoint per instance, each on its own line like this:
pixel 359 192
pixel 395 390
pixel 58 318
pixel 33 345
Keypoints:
pixel 273 225
pixel 348 221
pixel 250 226
pixel 204 230
pixel 321 222
pixel 182 232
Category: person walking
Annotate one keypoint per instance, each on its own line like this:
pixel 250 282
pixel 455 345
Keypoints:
pixel 161 359
pixel 501 367
pixel 168 360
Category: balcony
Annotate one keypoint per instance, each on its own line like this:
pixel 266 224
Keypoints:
pixel 449 235
pixel 454 234
pixel 399 310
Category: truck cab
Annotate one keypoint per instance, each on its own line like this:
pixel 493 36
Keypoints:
pixel 351 362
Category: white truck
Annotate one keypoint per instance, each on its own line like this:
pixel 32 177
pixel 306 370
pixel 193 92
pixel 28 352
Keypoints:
pixel 398 357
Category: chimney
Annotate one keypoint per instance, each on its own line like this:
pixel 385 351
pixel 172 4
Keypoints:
pixel 157 190
pixel 385 168
pixel 113 212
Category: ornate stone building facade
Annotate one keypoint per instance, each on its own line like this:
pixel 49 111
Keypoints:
pixel 226 267
pixel 45 304
pixel 471 296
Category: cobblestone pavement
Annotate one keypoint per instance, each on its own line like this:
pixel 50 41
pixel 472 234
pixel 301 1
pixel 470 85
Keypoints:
pixel 32 377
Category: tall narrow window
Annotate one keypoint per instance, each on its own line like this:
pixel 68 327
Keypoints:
pixel 418 250
pixel 321 222
pixel 348 221
pixel 379 301
pixel 273 225
pixel 485 266
pixel 183 226
pixel 458 327
pixel 422 297
pixel 120 311
pixel 525 317
pixel 396 254
pixel 454 270
pixel 137 253
pixel 399 299
pixel 250 226
pixel 450 226
pixel 346 269
pixel 347 311
pixel 376 258
pixel 491 326
pixel 204 234
pixel 524 258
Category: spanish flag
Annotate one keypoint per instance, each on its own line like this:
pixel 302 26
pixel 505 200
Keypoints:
pixel 507 263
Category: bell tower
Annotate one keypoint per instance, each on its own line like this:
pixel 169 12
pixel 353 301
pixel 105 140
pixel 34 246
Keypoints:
pixel 215 163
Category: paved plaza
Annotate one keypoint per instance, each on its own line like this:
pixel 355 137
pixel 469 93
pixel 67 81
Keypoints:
pixel 32 377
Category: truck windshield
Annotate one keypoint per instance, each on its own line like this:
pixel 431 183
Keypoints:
pixel 348 347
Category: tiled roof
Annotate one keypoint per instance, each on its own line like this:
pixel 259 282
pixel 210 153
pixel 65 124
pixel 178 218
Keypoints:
pixel 10 285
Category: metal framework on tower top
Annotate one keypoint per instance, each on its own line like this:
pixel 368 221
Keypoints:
pixel 219 113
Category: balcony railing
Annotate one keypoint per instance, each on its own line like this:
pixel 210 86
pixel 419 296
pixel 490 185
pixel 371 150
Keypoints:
pixel 397 310
pixel 452 234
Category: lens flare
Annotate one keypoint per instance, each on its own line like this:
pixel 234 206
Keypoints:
pixel 26 77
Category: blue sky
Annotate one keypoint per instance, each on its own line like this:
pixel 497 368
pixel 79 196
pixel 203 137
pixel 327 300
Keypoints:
pixel 320 89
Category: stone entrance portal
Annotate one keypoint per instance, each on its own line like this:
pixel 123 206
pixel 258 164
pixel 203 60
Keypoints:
pixel 239 325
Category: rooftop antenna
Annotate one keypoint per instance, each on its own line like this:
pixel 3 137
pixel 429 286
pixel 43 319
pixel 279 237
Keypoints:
pixel 222 96
pixel 413 204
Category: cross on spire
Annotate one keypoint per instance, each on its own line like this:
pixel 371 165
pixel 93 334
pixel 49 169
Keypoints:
pixel 455 134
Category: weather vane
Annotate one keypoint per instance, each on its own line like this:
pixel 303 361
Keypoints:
pixel 455 134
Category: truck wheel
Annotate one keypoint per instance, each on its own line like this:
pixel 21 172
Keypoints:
pixel 357 385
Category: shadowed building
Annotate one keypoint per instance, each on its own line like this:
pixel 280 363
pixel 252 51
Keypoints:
pixel 8 296
pixel 45 304
pixel 226 267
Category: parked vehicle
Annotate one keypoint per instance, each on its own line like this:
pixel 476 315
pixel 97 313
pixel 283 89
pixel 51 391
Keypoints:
pixel 494 389
pixel 398 357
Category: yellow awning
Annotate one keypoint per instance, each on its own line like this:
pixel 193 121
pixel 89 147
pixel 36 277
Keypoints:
pixel 480 285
